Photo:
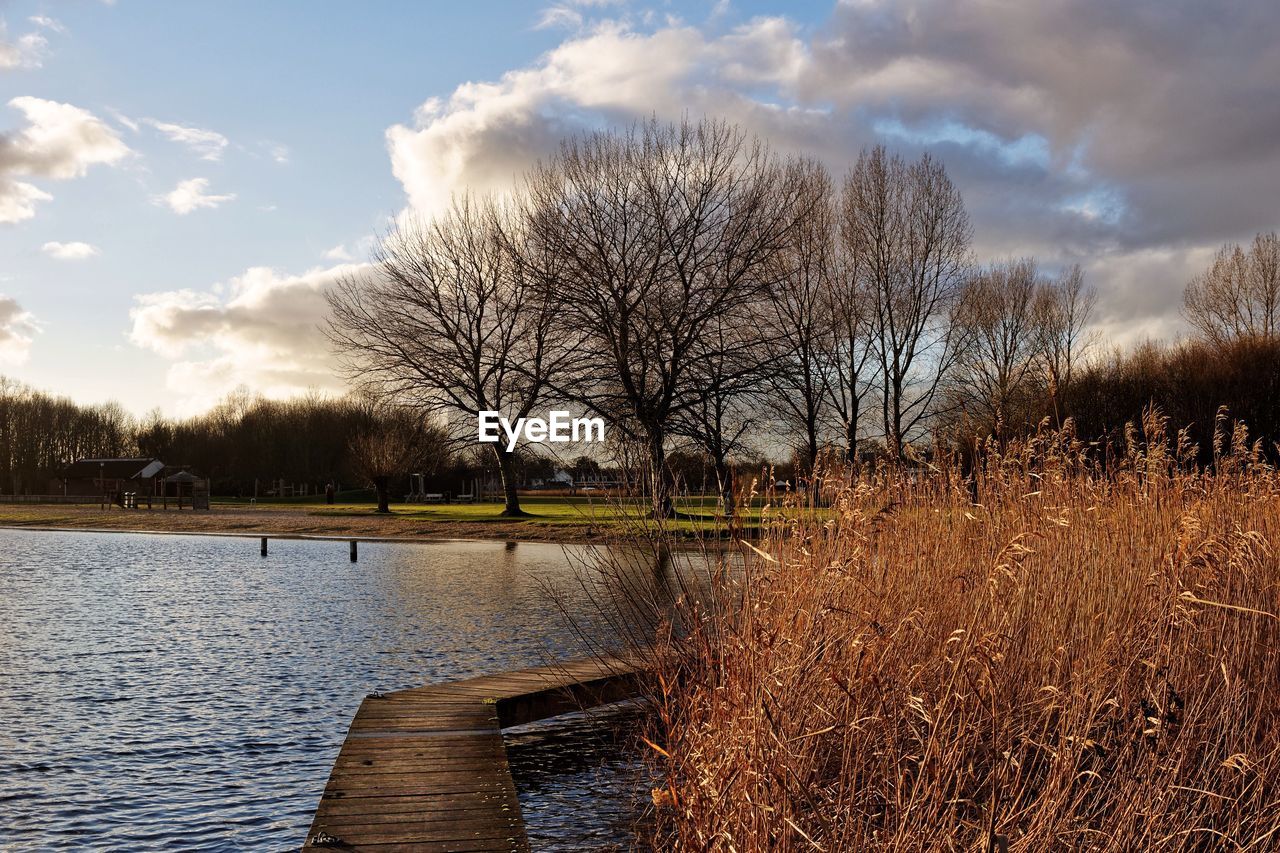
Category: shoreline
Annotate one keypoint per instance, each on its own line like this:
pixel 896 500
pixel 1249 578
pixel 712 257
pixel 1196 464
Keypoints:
pixel 286 524
pixel 319 537
pixel 303 524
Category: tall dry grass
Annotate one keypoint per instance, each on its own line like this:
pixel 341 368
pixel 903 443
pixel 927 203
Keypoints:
pixel 1082 660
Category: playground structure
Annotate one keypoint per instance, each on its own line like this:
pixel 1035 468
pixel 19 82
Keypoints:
pixel 282 489
pixel 418 493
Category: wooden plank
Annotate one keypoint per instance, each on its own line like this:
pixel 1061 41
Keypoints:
pixel 444 804
pixel 393 805
pixel 392 757
pixel 470 845
pixel 426 768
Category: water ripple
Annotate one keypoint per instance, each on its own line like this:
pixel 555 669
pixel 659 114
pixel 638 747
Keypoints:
pixel 185 693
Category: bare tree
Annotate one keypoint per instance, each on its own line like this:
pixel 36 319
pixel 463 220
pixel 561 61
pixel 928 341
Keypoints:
pixel 454 318
pixel 999 315
pixel 1064 308
pixel 908 232
pixel 1239 295
pixel 800 323
pixel 661 233
pixel 392 442
pixel 850 304
pixel 718 418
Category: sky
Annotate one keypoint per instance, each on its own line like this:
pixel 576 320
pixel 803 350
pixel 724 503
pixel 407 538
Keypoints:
pixel 181 182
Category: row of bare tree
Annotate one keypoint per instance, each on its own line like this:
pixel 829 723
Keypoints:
pixel 688 284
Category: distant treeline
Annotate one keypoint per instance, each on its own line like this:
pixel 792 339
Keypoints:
pixel 308 440
pixel 241 439
pixel 1191 383
pixel 40 434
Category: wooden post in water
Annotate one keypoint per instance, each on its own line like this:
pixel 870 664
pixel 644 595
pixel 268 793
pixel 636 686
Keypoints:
pixel 353 550
pixel 264 546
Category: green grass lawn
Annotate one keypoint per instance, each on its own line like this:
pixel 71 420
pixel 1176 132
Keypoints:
pixel 696 514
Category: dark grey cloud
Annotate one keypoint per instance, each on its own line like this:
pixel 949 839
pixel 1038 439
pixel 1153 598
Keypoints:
pixel 1173 104
pixel 1131 136
pixel 1160 120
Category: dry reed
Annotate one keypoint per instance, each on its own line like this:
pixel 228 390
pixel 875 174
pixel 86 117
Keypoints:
pixel 1083 659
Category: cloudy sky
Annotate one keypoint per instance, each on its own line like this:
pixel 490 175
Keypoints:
pixel 180 182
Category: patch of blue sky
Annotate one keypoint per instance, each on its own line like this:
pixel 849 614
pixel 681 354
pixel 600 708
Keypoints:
pixel 1030 149
pixel 1101 204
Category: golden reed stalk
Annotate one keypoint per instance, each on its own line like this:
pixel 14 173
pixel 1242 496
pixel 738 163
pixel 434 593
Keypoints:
pixel 1084 659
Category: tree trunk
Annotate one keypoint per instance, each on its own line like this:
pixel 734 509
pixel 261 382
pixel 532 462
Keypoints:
pixel 897 438
pixel 382 485
pixel 851 434
pixel 890 450
pixel 507 468
pixel 811 445
pixel 724 479
pixel 659 475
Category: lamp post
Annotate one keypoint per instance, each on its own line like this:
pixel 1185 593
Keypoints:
pixel 102 482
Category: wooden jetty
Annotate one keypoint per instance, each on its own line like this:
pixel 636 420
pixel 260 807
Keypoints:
pixel 425 769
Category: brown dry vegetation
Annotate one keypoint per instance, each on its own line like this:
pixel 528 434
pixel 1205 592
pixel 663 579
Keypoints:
pixel 1084 660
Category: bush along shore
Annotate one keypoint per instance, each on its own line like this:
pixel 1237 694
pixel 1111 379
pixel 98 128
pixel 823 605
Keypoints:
pixel 1082 658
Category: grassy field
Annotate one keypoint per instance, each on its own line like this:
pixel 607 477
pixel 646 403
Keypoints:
pixel 1083 660
pixel 550 510
pixel 695 514
pixel 549 518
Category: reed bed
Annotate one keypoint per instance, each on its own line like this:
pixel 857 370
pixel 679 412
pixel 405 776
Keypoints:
pixel 1084 658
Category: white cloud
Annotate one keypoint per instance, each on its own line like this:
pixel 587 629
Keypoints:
pixel 190 195
pixel 17 327
pixel 485 134
pixel 337 253
pixel 262 330
pixel 27 51
pixel 206 144
pixel 558 16
pixel 69 251
pixel 45 22
pixel 124 120
pixel 58 141
pixel 277 152
pixel 18 200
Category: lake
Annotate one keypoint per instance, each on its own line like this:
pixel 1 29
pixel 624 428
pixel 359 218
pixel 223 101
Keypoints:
pixel 184 692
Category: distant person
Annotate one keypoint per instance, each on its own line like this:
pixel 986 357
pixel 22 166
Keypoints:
pixel 328 493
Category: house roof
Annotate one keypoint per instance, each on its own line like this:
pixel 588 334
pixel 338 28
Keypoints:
pixel 113 469
pixel 184 477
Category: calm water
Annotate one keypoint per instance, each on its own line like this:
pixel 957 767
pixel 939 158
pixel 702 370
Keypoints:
pixel 183 692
